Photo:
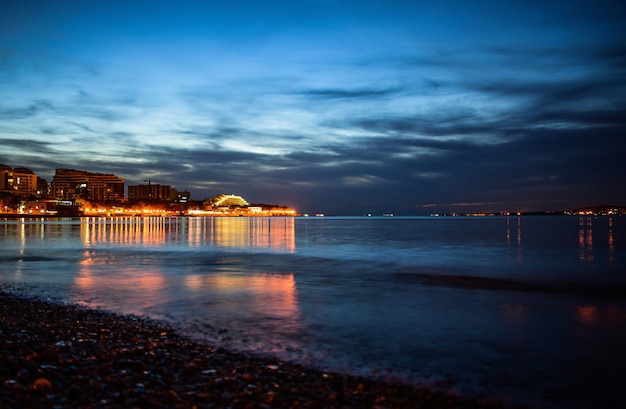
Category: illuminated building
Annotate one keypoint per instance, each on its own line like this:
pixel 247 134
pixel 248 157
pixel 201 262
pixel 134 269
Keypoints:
pixel 234 205
pixel 21 182
pixel 43 187
pixel 228 200
pixel 151 191
pixel 70 184
pixel 180 197
pixel 35 208
pixel 157 192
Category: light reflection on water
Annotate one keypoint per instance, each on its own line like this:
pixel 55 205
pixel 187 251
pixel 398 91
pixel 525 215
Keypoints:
pixel 114 281
pixel 229 232
pixel 361 294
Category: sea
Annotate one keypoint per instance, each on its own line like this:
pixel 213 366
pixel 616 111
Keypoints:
pixel 516 309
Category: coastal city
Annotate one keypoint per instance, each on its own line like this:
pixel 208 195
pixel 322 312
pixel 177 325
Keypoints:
pixel 83 193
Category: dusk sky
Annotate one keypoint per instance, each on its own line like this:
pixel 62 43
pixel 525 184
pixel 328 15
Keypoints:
pixel 340 107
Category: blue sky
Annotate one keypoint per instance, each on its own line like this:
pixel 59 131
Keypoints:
pixel 341 107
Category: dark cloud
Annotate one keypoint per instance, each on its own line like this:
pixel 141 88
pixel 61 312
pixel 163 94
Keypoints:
pixel 349 93
pixel 27 146
pixel 81 126
pixel 7 113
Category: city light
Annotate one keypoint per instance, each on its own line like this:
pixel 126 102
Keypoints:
pixel 82 193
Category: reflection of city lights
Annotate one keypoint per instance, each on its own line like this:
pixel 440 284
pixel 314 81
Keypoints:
pixel 518 236
pixel 515 310
pixel 617 315
pixel 585 239
pixel 519 239
pixel 126 230
pixel 611 243
pixel 193 281
pixel 275 233
pixel 508 231
pixel 613 315
pixel 85 278
pixel 587 314
pixel 272 294
pixel 121 278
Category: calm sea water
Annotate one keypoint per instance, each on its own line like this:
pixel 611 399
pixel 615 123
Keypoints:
pixel 525 309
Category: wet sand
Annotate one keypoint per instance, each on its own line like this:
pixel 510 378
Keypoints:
pixel 66 356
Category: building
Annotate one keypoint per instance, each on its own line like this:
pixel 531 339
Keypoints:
pixel 43 187
pixel 20 182
pixel 151 191
pixel 70 184
pixel 6 179
pixel 35 208
pixel 180 196
pixel 228 200
pixel 157 192
pixel 49 207
pixel 25 181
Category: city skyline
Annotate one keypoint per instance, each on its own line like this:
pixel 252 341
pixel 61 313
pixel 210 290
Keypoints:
pixel 332 107
pixel 156 192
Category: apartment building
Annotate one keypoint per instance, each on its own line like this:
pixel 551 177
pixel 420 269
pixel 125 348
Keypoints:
pixel 151 191
pixel 70 184
pixel 21 182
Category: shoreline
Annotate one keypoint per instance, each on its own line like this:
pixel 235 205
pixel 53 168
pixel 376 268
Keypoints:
pixel 64 356
pixel 15 216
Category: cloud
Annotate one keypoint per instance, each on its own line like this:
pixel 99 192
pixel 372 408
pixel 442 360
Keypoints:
pixel 349 93
pixel 27 146
pixel 370 108
pixel 31 110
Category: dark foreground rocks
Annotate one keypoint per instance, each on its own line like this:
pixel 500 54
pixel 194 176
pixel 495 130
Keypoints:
pixel 60 356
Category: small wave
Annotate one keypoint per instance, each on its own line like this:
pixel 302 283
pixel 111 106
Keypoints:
pixel 24 258
pixel 501 284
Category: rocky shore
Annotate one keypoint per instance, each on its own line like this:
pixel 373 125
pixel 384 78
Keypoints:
pixel 65 356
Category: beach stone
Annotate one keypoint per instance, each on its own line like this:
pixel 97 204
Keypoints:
pixel 24 375
pixel 73 392
pixel 90 358
pixel 42 384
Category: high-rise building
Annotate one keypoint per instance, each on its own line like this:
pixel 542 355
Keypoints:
pixel 6 179
pixel 70 184
pixel 43 187
pixel 21 182
pixel 151 191
pixel 25 180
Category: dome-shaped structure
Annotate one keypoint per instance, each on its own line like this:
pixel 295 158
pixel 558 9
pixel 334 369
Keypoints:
pixel 227 200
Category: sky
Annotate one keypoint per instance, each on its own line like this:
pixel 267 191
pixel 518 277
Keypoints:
pixel 336 107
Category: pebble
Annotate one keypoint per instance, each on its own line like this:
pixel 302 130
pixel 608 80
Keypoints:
pixel 90 358
pixel 42 384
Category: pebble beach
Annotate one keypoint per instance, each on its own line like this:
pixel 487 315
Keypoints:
pixel 67 356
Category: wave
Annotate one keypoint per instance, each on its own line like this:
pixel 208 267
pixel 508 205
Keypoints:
pixel 617 290
pixel 26 257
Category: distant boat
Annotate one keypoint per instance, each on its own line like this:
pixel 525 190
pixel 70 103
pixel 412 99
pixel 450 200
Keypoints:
pixel 319 214
pixel 388 214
